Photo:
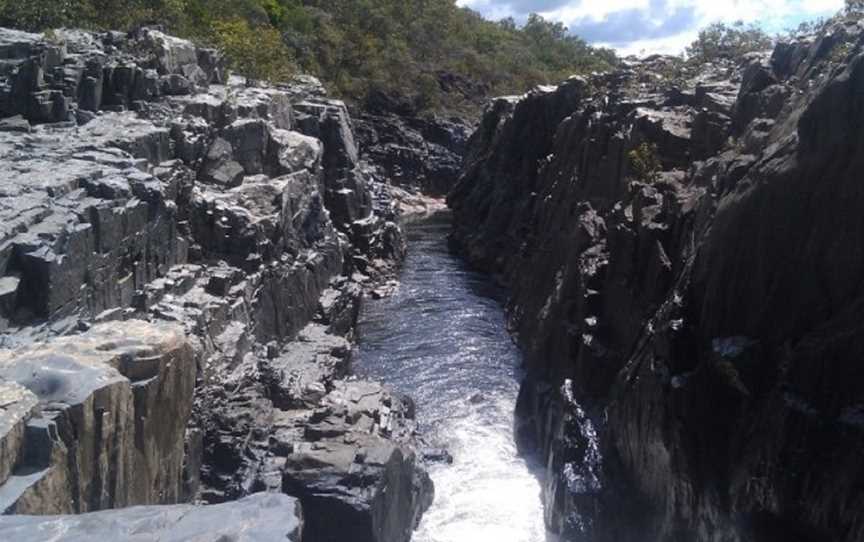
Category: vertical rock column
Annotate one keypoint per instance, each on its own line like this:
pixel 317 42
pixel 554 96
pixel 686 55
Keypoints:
pixel 103 415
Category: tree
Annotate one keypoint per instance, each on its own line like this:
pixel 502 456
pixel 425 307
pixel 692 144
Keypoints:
pixel 722 41
pixel 256 52
pixel 645 163
pixel 34 15
pixel 433 52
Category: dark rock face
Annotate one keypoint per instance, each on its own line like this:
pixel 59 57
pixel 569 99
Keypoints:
pixel 691 329
pixel 422 155
pixel 259 518
pixel 182 261
pixel 353 484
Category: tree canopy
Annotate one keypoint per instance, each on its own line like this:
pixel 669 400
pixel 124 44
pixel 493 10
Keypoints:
pixel 720 40
pixel 354 46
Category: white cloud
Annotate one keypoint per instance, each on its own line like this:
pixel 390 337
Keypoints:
pixel 649 26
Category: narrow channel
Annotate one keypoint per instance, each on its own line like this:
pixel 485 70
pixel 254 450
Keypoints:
pixel 442 339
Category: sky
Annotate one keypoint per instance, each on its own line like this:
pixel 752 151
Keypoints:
pixel 655 26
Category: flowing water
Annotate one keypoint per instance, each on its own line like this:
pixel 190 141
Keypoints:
pixel 441 338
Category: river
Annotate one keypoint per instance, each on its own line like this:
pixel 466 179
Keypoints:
pixel 441 338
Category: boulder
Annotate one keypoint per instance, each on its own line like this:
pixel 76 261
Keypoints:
pixel 249 139
pixel 353 484
pixel 219 167
pixel 295 152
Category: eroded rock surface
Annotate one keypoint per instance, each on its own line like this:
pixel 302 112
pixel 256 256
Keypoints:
pixel 107 428
pixel 684 273
pixel 423 155
pixel 258 518
pixel 182 260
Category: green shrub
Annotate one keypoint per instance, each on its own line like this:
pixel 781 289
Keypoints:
pixel 722 41
pixel 353 45
pixel 35 15
pixel 644 163
pixel 256 52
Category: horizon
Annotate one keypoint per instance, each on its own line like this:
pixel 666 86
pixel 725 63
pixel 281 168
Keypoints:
pixel 670 25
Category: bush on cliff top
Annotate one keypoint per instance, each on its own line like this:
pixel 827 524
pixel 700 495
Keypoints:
pixel 722 41
pixel 438 55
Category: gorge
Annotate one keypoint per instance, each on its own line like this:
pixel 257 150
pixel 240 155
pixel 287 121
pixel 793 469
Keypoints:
pixel 227 311
pixel 441 338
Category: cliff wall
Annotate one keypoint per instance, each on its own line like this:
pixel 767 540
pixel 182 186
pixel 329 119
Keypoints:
pixel 683 256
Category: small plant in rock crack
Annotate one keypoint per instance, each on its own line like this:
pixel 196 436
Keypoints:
pixel 51 36
pixel 840 52
pixel 644 163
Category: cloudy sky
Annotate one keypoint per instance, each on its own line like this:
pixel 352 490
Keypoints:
pixel 647 26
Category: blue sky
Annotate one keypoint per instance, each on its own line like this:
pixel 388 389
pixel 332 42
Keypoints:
pixel 649 26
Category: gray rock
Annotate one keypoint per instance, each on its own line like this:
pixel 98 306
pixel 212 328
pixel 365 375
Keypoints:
pixel 143 375
pixel 624 281
pixel 17 406
pixel 219 166
pixel 15 124
pixel 353 484
pixel 175 297
pixel 295 152
pixel 418 154
pixel 175 85
pixel 171 54
pixel 249 140
pixel 259 518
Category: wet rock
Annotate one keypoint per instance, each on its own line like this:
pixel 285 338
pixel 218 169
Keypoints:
pixel 437 455
pixel 352 483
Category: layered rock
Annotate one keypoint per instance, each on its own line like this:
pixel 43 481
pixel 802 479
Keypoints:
pixel 422 155
pixel 352 483
pixel 260 518
pixel 181 265
pixel 684 281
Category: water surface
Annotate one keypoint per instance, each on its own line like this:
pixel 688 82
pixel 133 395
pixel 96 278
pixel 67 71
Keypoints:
pixel 441 338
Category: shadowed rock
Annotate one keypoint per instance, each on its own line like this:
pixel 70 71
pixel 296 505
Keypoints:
pixel 678 316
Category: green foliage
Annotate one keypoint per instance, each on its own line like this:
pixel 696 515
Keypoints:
pixel 644 162
pixel 355 46
pixel 722 41
pixel 840 52
pixel 34 15
pixel 257 52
